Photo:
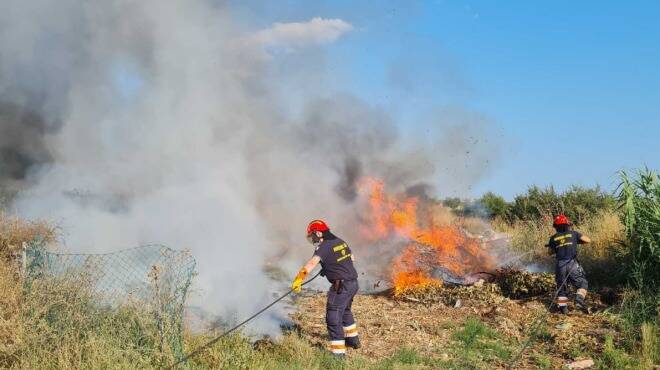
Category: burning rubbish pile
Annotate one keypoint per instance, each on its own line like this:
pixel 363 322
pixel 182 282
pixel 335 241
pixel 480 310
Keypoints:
pixel 480 294
pixel 425 244
pixel 433 258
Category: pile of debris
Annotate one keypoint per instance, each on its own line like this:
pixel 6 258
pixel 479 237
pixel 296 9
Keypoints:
pixel 480 293
pixel 519 284
pixel 504 283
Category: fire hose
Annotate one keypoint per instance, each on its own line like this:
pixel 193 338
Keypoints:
pixel 216 339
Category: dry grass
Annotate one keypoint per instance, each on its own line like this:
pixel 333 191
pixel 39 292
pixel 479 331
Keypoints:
pixel 238 352
pixel 441 215
pixel 13 233
pixel 650 344
pixel 600 258
pixel 436 331
pixel 474 225
pixel 53 323
pixel 528 237
pixel 64 326
pixel 10 327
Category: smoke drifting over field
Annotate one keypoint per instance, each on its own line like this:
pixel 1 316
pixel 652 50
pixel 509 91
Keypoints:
pixel 155 122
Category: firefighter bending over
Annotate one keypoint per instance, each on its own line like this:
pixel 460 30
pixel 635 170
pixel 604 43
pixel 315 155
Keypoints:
pixel 337 266
pixel 568 270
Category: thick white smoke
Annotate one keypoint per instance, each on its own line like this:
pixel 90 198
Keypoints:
pixel 168 133
pixel 164 128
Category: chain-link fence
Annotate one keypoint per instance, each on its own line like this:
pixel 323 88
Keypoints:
pixel 153 277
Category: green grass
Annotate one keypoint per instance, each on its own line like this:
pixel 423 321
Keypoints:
pixel 478 347
pixel 293 352
pixel 407 356
pixel 577 352
pixel 650 345
pixel 472 331
pixel 615 358
pixel 542 333
pixel 543 362
pixel 639 198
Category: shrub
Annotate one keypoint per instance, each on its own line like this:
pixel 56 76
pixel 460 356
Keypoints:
pixel 494 205
pixel 453 203
pixel 577 203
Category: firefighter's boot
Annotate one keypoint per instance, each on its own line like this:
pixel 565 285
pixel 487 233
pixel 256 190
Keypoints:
pixel 580 300
pixel 353 342
pixel 563 310
pixel 581 304
pixel 351 336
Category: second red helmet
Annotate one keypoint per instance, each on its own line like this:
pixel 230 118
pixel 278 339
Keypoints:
pixel 561 220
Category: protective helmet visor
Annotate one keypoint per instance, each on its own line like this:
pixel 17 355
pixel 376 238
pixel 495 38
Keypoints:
pixel 313 239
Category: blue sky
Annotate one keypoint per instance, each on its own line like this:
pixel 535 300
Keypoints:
pixel 571 88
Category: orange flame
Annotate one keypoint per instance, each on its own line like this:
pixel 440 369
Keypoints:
pixel 430 242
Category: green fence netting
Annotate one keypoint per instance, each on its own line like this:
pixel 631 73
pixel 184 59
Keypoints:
pixel 153 277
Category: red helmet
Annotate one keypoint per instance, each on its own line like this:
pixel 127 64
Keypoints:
pixel 317 225
pixel 561 220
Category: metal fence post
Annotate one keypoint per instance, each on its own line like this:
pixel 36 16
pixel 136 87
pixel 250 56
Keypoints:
pixel 24 259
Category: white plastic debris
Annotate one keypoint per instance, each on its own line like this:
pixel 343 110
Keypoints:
pixel 581 364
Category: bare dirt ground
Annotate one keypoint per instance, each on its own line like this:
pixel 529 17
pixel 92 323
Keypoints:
pixel 387 325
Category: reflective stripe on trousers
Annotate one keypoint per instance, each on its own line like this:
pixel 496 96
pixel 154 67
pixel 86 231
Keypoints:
pixel 337 347
pixel 350 331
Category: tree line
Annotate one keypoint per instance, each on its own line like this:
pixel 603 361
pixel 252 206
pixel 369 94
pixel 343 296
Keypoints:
pixel 577 202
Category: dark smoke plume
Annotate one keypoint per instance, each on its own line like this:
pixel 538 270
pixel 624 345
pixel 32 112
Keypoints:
pixel 22 143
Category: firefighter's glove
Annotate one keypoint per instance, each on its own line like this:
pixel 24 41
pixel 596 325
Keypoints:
pixel 296 286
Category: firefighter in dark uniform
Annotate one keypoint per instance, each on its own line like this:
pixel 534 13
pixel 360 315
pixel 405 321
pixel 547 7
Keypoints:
pixel 568 270
pixel 337 266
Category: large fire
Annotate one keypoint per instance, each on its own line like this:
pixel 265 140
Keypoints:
pixel 431 241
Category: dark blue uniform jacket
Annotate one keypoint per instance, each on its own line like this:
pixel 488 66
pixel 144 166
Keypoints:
pixel 565 244
pixel 336 260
